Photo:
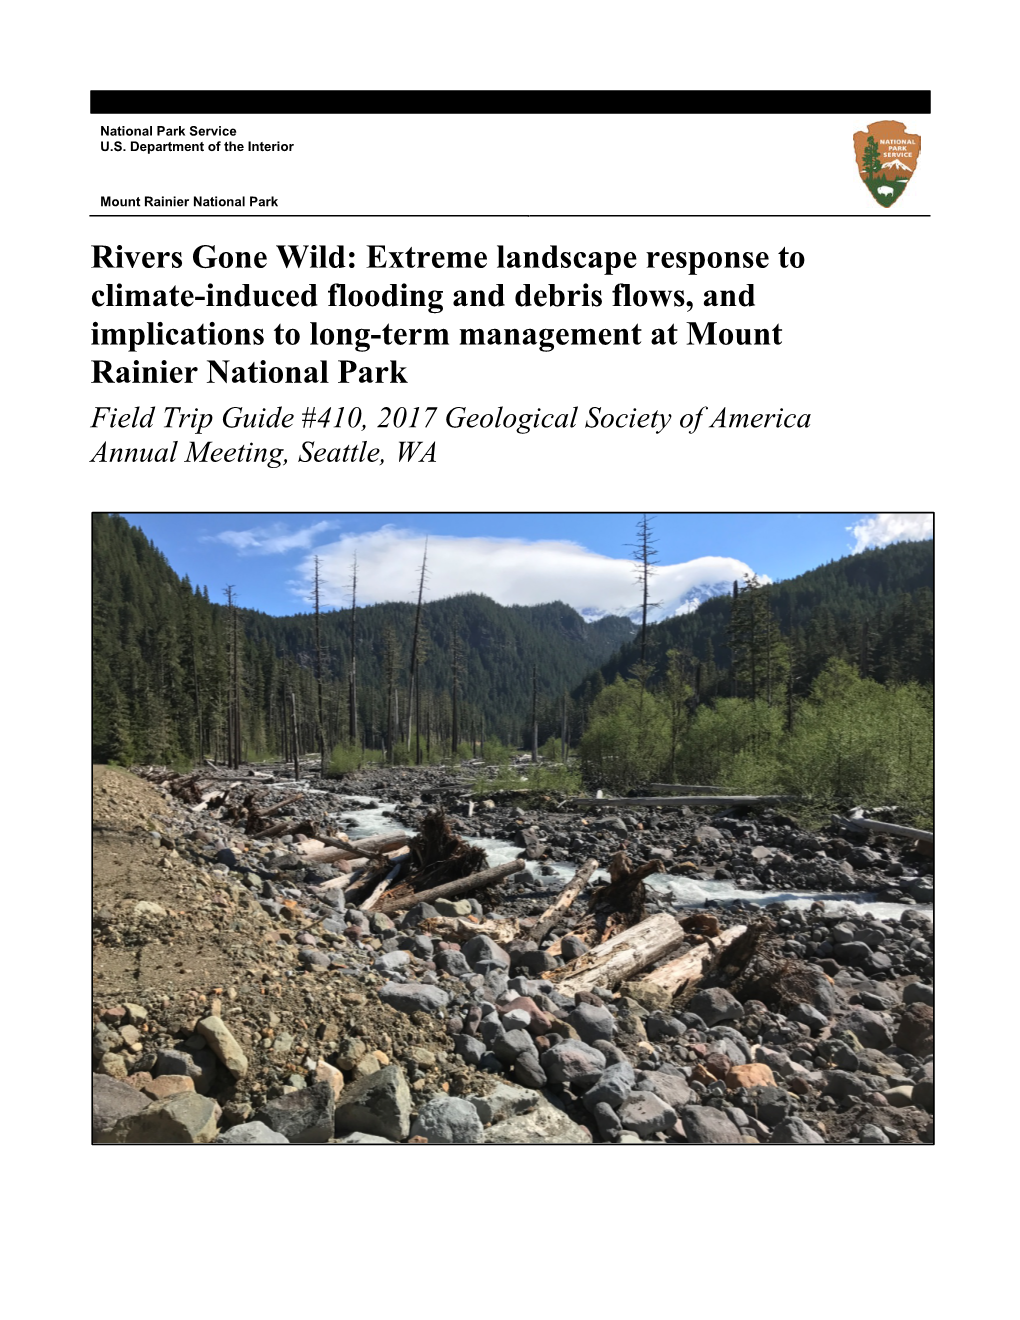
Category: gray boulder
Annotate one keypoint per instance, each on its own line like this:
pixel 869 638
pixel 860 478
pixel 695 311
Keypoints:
pixel 612 1088
pixel 254 1133
pixel 111 1101
pixel 543 1125
pixel 845 1085
pixel 715 1005
pixel 446 1121
pixel 482 949
pixel 644 1113
pixel 573 1064
pixel 670 1087
pixel 303 1116
pixel 408 998
pixel 503 1101
pixel 379 1105
pixel 592 1023
pixel 186 1119
pixel 793 1131
pixel 871 1029
pixel 709 1127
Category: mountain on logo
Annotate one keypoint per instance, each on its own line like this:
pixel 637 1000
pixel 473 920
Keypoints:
pixel 897 165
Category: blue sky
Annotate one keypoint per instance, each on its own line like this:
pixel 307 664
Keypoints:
pixel 515 558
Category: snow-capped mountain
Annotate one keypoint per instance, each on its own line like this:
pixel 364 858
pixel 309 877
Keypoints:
pixel 685 603
pixel 897 165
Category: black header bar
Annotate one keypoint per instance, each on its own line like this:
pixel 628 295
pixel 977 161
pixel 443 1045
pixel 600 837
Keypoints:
pixel 863 104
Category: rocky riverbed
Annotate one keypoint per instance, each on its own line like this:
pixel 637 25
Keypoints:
pixel 239 1000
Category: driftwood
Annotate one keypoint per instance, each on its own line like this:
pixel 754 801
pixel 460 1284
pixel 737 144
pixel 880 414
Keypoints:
pixel 863 826
pixel 281 827
pixel 693 965
pixel 620 904
pixel 726 801
pixel 367 904
pixel 691 788
pixel 405 897
pixel 459 929
pixel 373 846
pixel 621 957
pixel 279 806
pixel 552 915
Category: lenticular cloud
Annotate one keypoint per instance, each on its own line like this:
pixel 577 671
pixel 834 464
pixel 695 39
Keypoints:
pixel 510 571
pixel 885 528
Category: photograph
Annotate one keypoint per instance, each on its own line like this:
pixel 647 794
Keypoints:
pixel 607 828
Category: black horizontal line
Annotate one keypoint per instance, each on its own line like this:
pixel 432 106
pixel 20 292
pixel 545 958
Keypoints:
pixel 865 104
pixel 510 215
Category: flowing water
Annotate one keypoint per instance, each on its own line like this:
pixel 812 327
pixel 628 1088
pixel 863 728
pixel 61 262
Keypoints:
pixel 682 892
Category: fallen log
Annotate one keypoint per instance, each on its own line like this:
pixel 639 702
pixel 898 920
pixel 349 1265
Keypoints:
pixel 281 827
pixel 367 904
pixel 864 826
pixel 564 899
pixel 621 957
pixel 372 846
pixel 279 806
pixel 400 901
pixel 459 929
pixel 691 788
pixel 690 966
pixel 736 800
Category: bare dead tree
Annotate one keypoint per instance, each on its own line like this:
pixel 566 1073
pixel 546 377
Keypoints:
pixel 318 673
pixel 353 678
pixel 534 714
pixel 412 696
pixel 293 715
pixel 234 685
pixel 457 657
pixel 644 554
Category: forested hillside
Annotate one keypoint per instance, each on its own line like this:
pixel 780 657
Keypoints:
pixel 165 682
pixel 874 610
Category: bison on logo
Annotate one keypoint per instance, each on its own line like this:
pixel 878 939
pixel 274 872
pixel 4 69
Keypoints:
pixel 887 158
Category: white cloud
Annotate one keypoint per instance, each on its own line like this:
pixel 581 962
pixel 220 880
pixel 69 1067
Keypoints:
pixel 274 539
pixel 885 528
pixel 510 571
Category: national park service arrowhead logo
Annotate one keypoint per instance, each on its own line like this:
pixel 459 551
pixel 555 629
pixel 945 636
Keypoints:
pixel 887 158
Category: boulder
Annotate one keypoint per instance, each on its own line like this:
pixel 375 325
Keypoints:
pixel 715 1005
pixel 916 1032
pixel 446 1121
pixel 709 1127
pixel 113 1100
pixel 408 998
pixel 592 1023
pixel 542 1125
pixel 303 1116
pixel 379 1105
pixel 870 1028
pixel 612 1088
pixel 749 1074
pixel 251 1134
pixel 188 1119
pixel 573 1064
pixel 503 1101
pixel 670 1087
pixel 644 1113
pixel 224 1046
pixel 793 1131
pixel 480 948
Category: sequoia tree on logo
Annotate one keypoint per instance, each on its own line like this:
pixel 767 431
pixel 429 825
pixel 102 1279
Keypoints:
pixel 887 158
